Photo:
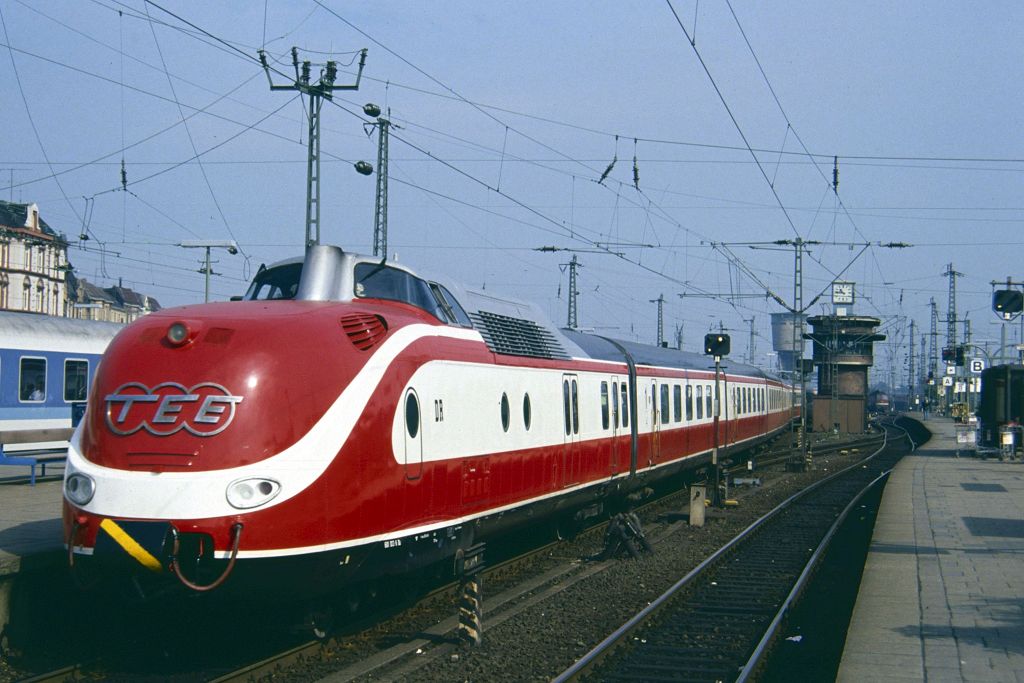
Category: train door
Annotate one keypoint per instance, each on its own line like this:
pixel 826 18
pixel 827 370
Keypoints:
pixel 413 435
pixel 655 450
pixel 571 416
pixel 616 426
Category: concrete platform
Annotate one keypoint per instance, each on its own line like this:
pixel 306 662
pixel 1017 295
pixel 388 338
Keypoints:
pixel 942 596
pixel 29 523
pixel 30 540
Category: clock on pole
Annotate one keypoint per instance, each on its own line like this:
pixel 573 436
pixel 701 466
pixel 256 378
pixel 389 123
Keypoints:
pixel 842 293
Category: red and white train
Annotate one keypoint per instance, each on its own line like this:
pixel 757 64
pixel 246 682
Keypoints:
pixel 348 419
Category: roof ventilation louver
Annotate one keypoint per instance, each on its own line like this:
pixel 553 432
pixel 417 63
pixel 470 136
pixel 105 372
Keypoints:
pixel 364 330
pixel 516 336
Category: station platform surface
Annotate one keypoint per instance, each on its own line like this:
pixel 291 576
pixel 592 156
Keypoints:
pixel 30 526
pixel 942 596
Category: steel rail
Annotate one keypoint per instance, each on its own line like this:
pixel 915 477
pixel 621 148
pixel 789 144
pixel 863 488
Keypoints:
pixel 763 647
pixel 600 651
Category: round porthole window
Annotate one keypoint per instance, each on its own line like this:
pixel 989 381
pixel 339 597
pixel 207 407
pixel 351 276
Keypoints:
pixel 412 414
pixel 505 412
pixel 527 411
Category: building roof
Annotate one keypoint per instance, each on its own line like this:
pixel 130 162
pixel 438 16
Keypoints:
pixel 16 216
pixel 118 296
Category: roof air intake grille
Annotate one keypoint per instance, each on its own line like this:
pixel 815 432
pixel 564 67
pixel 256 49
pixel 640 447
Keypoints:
pixel 517 337
pixel 364 330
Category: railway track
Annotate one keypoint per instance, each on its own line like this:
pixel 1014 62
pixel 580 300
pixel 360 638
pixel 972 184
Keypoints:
pixel 718 622
pixel 501 604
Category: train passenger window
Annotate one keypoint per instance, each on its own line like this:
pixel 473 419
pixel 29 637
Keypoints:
pixel 689 402
pixel 677 403
pixel 281 282
pixel 377 281
pixel 76 379
pixel 32 383
pixel 664 404
pixel 700 402
pixel 615 405
pixel 604 405
pixel 412 414
pixel 575 408
pixel 625 405
pixel 707 401
pixel 527 412
pixel 566 407
pixel 506 413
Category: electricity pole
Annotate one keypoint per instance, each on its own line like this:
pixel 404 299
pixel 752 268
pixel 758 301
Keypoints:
pixel 207 267
pixel 317 92
pixel 380 216
pixel 798 332
pixel 661 318
pixel 911 379
pixel 573 321
pixel 951 322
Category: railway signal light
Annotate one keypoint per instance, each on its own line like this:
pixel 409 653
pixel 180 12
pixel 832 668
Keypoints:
pixel 716 344
pixel 1008 303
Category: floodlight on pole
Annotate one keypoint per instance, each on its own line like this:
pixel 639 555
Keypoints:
pixel 229 245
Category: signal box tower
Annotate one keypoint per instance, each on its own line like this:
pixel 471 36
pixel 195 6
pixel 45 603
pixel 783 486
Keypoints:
pixel 843 351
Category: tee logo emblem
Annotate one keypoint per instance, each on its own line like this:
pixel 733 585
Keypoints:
pixel 205 409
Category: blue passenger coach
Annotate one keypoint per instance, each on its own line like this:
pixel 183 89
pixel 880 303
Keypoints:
pixel 46 366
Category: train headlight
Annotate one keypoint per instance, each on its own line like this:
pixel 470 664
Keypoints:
pixel 79 488
pixel 251 493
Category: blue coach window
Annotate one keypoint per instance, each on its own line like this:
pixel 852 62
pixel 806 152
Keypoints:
pixel 32 382
pixel 76 379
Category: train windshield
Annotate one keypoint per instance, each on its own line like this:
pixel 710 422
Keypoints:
pixel 377 281
pixel 280 282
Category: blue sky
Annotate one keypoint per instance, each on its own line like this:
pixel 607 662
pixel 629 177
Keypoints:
pixel 920 102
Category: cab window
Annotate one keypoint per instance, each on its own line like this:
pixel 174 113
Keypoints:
pixel 281 282
pixel 377 281
pixel 449 306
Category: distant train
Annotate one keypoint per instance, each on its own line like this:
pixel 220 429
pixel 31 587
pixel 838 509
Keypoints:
pixel 46 366
pixel 350 420
pixel 878 402
pixel 1001 404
